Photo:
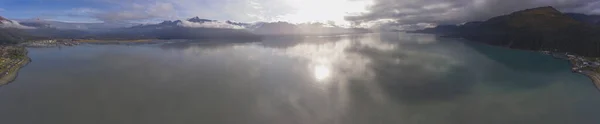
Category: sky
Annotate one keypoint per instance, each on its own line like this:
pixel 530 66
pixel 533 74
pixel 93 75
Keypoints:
pixel 399 13
pixel 295 11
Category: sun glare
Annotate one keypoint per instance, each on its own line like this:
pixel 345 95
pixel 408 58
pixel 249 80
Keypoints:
pixel 324 10
pixel 321 72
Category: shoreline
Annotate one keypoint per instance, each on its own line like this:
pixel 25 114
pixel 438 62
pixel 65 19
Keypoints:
pixel 13 71
pixel 595 77
pixel 114 41
pixel 578 66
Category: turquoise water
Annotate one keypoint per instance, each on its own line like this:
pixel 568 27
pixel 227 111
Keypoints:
pixel 355 79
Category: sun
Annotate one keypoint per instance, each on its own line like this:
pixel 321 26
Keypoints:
pixel 323 10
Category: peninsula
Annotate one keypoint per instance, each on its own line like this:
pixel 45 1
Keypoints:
pixel 573 37
pixel 12 58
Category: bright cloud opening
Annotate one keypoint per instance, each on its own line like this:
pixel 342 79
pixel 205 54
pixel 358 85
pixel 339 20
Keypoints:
pixel 323 10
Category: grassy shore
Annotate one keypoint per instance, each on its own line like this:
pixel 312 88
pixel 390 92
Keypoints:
pixel 12 58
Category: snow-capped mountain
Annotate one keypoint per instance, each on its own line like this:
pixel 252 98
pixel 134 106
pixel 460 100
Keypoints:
pixel 196 22
pixel 6 23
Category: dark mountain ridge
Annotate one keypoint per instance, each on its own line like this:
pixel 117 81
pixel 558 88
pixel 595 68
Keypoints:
pixel 543 28
pixel 587 19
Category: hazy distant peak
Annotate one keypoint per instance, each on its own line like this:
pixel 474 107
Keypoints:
pixel 87 26
pixel 208 24
pixel 197 22
pixel 238 23
pixel 198 19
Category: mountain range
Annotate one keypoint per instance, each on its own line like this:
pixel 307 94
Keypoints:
pixel 543 28
pixel 192 28
pixel 39 23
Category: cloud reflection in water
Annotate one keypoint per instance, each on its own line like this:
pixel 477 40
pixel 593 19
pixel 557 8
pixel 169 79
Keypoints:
pixel 376 78
pixel 395 78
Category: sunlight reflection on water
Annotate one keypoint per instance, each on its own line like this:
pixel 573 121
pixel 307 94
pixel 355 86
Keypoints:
pixel 321 72
pixel 376 78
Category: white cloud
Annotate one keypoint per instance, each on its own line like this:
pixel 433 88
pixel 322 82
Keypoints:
pixel 237 10
pixel 213 24
pixel 295 11
pixel 13 24
pixel 323 10
pixel 137 12
pixel 82 11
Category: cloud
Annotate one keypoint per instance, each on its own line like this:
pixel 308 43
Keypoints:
pixel 238 10
pixel 151 11
pixel 13 24
pixel 212 24
pixel 81 12
pixel 136 12
pixel 411 12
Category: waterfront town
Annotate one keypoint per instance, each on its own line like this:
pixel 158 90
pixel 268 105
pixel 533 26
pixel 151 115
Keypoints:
pixel 11 59
pixel 580 63
pixel 50 43
pixel 584 65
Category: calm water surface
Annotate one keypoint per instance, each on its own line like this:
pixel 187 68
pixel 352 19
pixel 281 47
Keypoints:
pixel 360 79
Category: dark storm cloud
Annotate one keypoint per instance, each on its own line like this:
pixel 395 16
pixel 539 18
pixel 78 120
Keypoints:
pixel 405 12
